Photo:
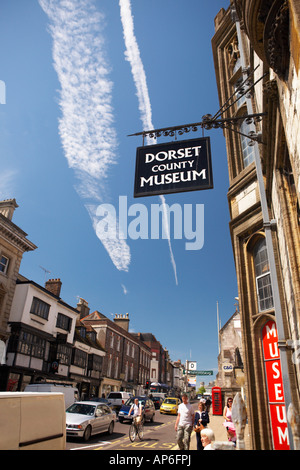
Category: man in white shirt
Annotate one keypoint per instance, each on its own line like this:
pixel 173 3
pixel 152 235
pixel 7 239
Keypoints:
pixel 184 423
pixel 136 408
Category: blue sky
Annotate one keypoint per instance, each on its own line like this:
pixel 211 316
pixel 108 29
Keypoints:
pixel 72 98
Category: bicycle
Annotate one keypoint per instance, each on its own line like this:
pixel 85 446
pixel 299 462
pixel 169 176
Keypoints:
pixel 136 428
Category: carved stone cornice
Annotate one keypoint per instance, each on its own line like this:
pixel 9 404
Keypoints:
pixel 271 89
pixel 267 26
pixel 17 237
pixel 254 26
pixel 276 38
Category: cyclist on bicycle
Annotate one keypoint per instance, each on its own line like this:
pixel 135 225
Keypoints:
pixel 136 427
pixel 136 408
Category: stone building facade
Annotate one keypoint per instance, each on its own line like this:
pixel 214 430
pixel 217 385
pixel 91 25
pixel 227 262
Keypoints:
pixel 257 64
pixel 126 365
pixel 13 244
pixel 230 376
pixel 158 367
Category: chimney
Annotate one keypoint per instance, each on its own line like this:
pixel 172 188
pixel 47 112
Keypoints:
pixel 54 286
pixel 7 208
pixel 122 321
pixel 83 308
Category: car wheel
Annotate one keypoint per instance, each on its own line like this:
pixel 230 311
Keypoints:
pixel 152 418
pixel 111 428
pixel 87 433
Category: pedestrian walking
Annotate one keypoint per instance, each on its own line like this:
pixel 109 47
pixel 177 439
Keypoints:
pixel 208 404
pixel 227 411
pixel 228 421
pixel 184 423
pixel 200 422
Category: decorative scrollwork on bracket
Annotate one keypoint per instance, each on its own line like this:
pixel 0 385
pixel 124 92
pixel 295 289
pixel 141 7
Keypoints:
pixel 208 122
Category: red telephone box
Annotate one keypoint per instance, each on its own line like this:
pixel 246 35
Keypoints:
pixel 217 401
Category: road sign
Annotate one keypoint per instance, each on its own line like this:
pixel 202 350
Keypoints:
pixel 191 365
pixel 199 372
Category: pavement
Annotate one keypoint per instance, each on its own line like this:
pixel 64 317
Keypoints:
pixel 216 424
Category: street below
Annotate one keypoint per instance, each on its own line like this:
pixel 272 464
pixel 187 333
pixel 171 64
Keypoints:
pixel 159 435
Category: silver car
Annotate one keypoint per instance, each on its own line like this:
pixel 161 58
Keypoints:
pixel 86 418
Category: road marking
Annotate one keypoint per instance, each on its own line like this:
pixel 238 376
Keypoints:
pixel 113 442
pixel 102 443
pixel 126 443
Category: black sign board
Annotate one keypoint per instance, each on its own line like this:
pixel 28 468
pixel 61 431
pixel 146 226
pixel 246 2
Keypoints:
pixel 173 167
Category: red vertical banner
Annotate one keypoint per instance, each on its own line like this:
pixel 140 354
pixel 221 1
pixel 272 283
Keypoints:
pixel 275 386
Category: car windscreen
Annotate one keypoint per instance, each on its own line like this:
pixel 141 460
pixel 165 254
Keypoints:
pixel 82 409
pixel 169 401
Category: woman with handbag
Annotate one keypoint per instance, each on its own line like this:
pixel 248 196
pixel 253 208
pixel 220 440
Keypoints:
pixel 201 421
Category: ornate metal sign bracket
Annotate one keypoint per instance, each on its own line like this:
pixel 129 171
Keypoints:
pixel 213 122
pixel 207 123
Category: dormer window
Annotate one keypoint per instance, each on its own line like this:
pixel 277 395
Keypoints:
pixel 64 322
pixel 82 332
pixel 92 335
pixel 40 308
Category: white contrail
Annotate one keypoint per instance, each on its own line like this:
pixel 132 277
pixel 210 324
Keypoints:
pixel 167 230
pixel 8 182
pixel 132 54
pixel 86 126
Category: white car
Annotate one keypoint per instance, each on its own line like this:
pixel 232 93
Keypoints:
pixel 86 418
pixel 117 399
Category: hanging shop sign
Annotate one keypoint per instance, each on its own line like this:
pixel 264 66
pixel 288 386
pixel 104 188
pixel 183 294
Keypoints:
pixel 274 380
pixel 173 167
pixel 192 381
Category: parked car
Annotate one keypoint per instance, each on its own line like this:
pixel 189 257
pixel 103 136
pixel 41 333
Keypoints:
pixel 117 399
pixel 157 401
pixel 170 405
pixel 148 409
pixel 86 418
pixel 101 400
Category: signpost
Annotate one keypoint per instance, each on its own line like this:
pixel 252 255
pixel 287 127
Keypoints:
pixel 191 365
pixel 198 372
pixel 173 167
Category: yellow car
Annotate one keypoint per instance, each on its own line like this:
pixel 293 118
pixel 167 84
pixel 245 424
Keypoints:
pixel 170 405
